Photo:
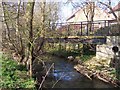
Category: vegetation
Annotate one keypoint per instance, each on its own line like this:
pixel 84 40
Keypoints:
pixel 65 50
pixel 25 30
pixel 113 30
pixel 101 66
pixel 14 75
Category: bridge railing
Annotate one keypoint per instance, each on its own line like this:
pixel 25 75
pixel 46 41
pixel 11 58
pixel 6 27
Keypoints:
pixel 85 28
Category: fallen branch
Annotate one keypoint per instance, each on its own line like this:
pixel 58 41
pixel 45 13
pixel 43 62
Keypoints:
pixel 84 71
pixel 102 79
pixel 57 81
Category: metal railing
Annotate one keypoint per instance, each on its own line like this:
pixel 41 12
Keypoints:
pixel 85 28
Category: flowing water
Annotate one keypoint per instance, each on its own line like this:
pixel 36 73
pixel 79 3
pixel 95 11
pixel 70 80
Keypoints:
pixel 65 76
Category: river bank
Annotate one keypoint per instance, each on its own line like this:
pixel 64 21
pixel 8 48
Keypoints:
pixel 99 69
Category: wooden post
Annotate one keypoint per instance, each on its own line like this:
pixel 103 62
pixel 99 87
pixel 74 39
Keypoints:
pixel 117 65
pixel 87 28
pixel 59 45
pixel 105 23
pixel 108 29
pixel 68 30
pixel 81 28
pixel 93 28
pixel 108 23
pixel 78 46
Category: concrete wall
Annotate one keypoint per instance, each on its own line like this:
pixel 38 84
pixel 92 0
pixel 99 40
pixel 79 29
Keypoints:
pixel 113 40
pixel 105 51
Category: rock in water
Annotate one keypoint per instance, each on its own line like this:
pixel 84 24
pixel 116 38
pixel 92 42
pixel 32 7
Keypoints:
pixel 70 58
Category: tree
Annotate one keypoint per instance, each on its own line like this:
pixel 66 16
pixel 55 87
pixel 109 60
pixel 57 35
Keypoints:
pixel 89 13
pixel 13 25
pixel 30 11
pixel 88 8
pixel 16 38
pixel 108 5
pixel 26 29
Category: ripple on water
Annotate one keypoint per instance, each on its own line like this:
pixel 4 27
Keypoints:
pixel 66 75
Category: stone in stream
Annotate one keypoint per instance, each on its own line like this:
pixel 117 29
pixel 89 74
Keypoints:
pixel 70 58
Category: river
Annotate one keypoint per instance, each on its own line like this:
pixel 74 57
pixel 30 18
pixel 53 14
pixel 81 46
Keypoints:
pixel 65 76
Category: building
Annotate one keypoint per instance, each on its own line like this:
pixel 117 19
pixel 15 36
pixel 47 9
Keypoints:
pixel 99 14
pixel 116 9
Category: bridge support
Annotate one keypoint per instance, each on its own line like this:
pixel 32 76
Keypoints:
pixel 105 51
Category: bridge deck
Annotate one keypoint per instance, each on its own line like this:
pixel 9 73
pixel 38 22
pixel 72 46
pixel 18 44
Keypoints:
pixel 82 39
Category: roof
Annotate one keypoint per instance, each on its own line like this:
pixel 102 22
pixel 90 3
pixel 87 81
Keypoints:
pixel 117 7
pixel 73 15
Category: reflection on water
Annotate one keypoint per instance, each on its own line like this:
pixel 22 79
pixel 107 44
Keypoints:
pixel 66 77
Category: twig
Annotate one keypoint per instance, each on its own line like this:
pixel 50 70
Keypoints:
pixel 58 81
pixel 45 76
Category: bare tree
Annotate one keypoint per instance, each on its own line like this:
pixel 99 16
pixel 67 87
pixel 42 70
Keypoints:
pixel 88 10
pixel 26 31
pixel 108 5
pixel 30 11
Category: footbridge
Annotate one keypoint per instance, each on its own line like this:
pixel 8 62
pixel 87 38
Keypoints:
pixel 83 32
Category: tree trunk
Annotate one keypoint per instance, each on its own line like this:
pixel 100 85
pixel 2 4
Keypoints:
pixel 30 12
